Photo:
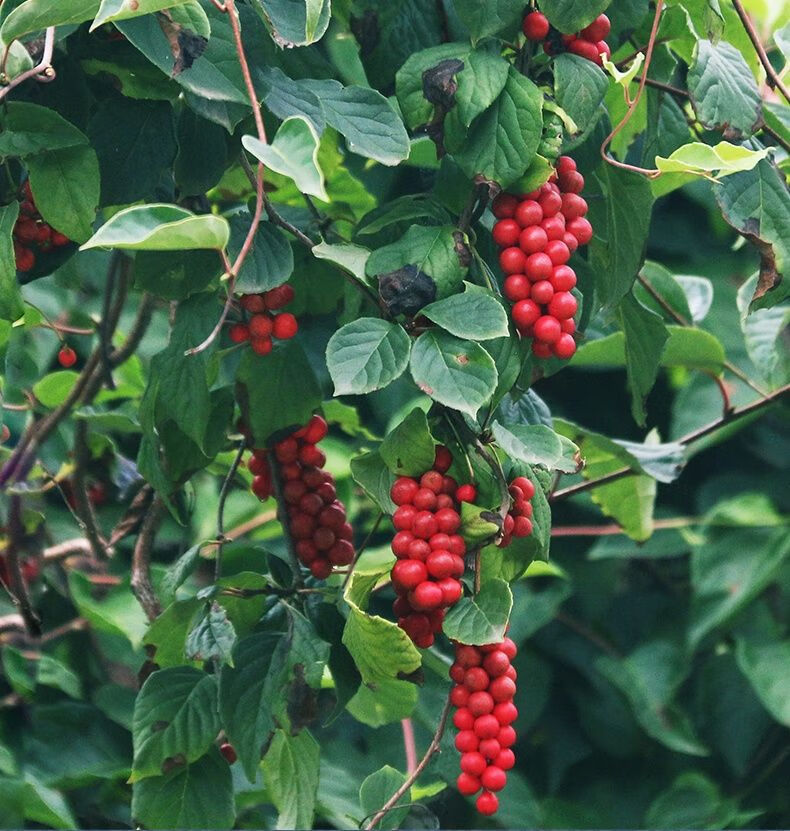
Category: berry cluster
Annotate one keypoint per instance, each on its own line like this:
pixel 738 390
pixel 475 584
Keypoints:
pixel 316 518
pixel 518 521
pixel 589 43
pixel 485 683
pixel 429 549
pixel 538 232
pixel 31 234
pixel 262 325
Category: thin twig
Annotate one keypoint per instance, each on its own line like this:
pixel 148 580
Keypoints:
pixel 18 587
pixel 772 78
pixel 779 139
pixel 433 747
pixel 67 548
pixel 44 66
pixel 86 516
pixel 409 746
pixel 141 561
pixel 223 495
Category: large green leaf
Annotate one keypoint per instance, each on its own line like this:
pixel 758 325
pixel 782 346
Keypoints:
pixel 409 449
pixel 297 22
pixel 11 306
pixel 374 477
pixel 475 314
pixel 30 129
pixel 489 18
pixel 481 619
pixel 579 87
pixel 123 9
pixel 571 15
pixel 175 715
pixel 367 355
pixel 270 261
pixel 160 227
pixel 723 89
pixel 376 790
pixel 290 770
pixel 536 444
pixel 457 373
pixel 480 82
pixel 213 637
pixel 35 15
pixel 764 664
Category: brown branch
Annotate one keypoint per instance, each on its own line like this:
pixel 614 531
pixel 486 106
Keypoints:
pixel 17 587
pixel 141 571
pixel 773 79
pixel 433 747
pixel 84 512
pixel 67 548
pixel 41 71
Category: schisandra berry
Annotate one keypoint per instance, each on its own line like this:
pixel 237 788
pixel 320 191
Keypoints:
pixel 263 325
pixel 32 234
pixel 483 698
pixel 518 523
pixel 536 26
pixel 537 233
pixel 67 356
pixel 589 43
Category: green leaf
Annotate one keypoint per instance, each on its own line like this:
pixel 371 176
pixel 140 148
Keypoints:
pixel 175 716
pixel 297 23
pixel 293 153
pixel 176 275
pixel 168 633
pixel 409 448
pixel 213 637
pixel 693 800
pixel 457 373
pixel 11 305
pixel 620 211
pixel 501 143
pixel 247 692
pixel 433 250
pixel 570 16
pixel 536 444
pixel 351 258
pixel 723 90
pixel 123 9
pixel 35 15
pixel 366 119
pixel 376 790
pixel 65 184
pixel 30 129
pixel 762 664
pixel 478 525
pixel 481 619
pixel 761 331
pixel 480 82
pixel 659 280
pixel 490 18
pixel 579 87
pixel 290 770
pixel 757 204
pixel 160 227
pixel 53 389
pixel 270 261
pixel 180 570
pixel 375 478
pixel 366 355
pixel 475 314
pixel 190 796
pixel 288 370
pixel 116 611
pixel 645 336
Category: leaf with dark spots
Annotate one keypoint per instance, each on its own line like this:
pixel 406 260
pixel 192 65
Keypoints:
pixel 302 700
pixel 185 45
pixel 462 249
pixel 406 290
pixel 439 85
pixel 417 677
pixel 172 763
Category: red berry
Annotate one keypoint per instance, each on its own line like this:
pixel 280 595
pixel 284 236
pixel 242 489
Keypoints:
pixel 401 542
pixel 565 346
pixel 59 240
pixel 598 29
pixel 466 493
pixel 456 545
pixel 581 229
pixel 451 590
pixel 563 278
pixel 432 481
pixel 229 752
pixel 565 164
pixel 504 206
pixel 554 227
pixel 440 564
pixel 509 648
pixel 239 333
pixel 494 778
pixel 480 704
pixel 496 663
pixel 463 719
pixel 26 230
pixel 467 784
pixel 404 490
pixel 253 303
pixel 409 574
pixel 532 239
pixel 603 47
pixel 341 553
pixel 563 305
pixel 425 525
pixel 321 569
pixel 466 741
pixel 25 258
pixel 513 261
pixel 516 287
pixel 459 695
pixel 506 759
pixel 525 313
pixel 443 459
pixel 476 679
pixel 312 455
pixel 538 267
pixel 506 737
pixel 486 727
pixel 572 182
pixel 278 297
pixel 547 329
pixel 285 326
pixel 584 49
pixel 473 763
pixel 487 803
pixel 505 712
pixel 502 688
pixel 324 538
pixel 419 550
pixel 536 26
pixel 558 252
pixel 427 596
pixel 506 232
pixel 67 356
pixel 529 213
pixel 261 346
pixel 317 427
pixel 448 520
pixel 542 292
pixel 490 748
pixel 573 206
pixel 468 656
pixel 403 518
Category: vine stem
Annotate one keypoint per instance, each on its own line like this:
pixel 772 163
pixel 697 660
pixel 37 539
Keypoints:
pixel 772 78
pixel 223 496
pixel 433 747
pixel 409 746
pixel 690 438
pixel 609 159
pixel 41 68
pixel 142 587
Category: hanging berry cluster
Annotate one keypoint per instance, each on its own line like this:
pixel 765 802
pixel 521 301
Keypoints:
pixel 538 232
pixel 262 326
pixel 485 683
pixel 317 522
pixel 518 522
pixel 429 549
pixel 32 234
pixel 589 43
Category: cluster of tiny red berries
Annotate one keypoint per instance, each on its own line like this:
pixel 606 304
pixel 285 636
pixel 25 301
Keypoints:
pixel 589 43
pixel 316 517
pixel 485 684
pixel 429 549
pixel 537 233
pixel 262 326
pixel 518 522
pixel 31 234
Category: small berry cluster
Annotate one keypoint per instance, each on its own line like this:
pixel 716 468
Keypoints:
pixel 485 683
pixel 316 517
pixel 31 234
pixel 518 522
pixel 262 325
pixel 538 232
pixel 589 43
pixel 429 549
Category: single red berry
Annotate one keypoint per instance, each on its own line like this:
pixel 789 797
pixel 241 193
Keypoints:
pixel 253 303
pixel 404 490
pixel 468 656
pixel 448 520
pixel 229 752
pixel 505 232
pixel 261 346
pixel 554 227
pixel 425 525
pixel 496 663
pixel 285 326
pixel 476 679
pixel 597 30
pixel 440 564
pixel 459 695
pixel 67 356
pixel 473 763
pixel 260 326
pixel 26 230
pixel 419 550
pixel 525 313
pixel 584 49
pixel 572 182
pixel 505 712
pixel 563 278
pixel 425 500
pixel 25 258
pixel 516 287
pixel 278 297
pixel 467 784
pixel 466 741
pixel 451 589
pixel 506 737
pixel 486 727
pixel 443 459
pixel 504 206
pixel 502 688
pixel 547 329
pixel 58 239
pixel 400 543
pixel 403 518
pixel 565 346
pixel 466 493
pixel 321 568
pixel 427 596
pixel 409 574
pixel 506 759
pixel 558 252
pixel 529 213
pixel 538 267
pixel 480 704
pixel 563 305
pixel 542 292
pixel 462 718
pixel 494 778
pixel 433 481
pixel 487 803
pixel 536 26
pixel 565 163
pixel 490 748
pixel 513 261
pixel 581 229
pixel 573 205
pixel 239 333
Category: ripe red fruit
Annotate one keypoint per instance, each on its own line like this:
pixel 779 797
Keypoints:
pixel 466 493
pixel 26 230
pixel 558 252
pixel 476 679
pixel 229 752
pixel 321 569
pixel 404 490
pixel 537 266
pixel 547 329
pixel 513 261
pixel 285 326
pixel 506 232
pixel 480 704
pixel 504 206
pixel 597 30
pixel 550 202
pixel 584 49
pixel 459 695
pixel 563 305
pixel 403 518
pixel 260 326
pixel 502 688
pixel 506 759
pixel 528 213
pixel 532 239
pixel 490 748
pixel 67 356
pixel 261 346
pixel 525 313
pixel 563 278
pixel 425 525
pixel 25 258
pixel 451 589
pixel 572 182
pixel 536 26
pixel 554 226
pixel 573 205
pixel 467 784
pixel 496 663
pixel 506 737
pixel 253 303
pixel 443 459
pixel 448 520
pixel 487 803
pixel 468 656
pixel 505 712
pixel 58 239
pixel 440 564
pixel 279 297
pixel 466 741
pixel 316 430
pixel 516 287
pixel 473 763
pixel 565 347
pixel 509 648
pixel 239 333
pixel 494 778
pixel 400 543
pixel 463 719
pixel 427 596
pixel 419 550
pixel 486 727
pixel 432 481
pixel 581 229
pixel 409 573
pixel 542 292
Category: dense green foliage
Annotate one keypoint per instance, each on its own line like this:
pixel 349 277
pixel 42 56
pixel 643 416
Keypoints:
pixel 153 608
